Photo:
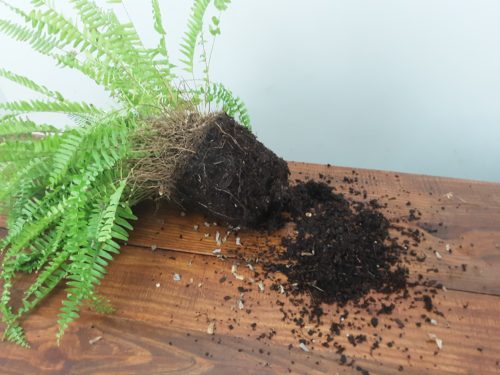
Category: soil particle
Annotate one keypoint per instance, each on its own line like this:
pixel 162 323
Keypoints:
pixel 427 302
pixel 355 340
pixel 400 324
pixel 362 370
pixel 336 328
pixel 386 309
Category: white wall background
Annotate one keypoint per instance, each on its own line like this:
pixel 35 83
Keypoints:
pixel 405 85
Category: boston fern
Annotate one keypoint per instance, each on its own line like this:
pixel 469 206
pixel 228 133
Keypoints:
pixel 67 193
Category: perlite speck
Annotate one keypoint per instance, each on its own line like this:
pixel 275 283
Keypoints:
pixel 303 347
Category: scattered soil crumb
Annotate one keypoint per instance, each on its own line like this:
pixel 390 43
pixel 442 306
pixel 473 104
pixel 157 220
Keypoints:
pixel 427 302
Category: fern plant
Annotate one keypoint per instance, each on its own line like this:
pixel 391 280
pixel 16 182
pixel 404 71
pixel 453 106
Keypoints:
pixel 67 193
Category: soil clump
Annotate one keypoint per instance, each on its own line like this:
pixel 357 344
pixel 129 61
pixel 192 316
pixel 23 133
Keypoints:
pixel 233 177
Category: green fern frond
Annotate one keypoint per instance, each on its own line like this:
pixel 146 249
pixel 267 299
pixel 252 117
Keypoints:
pixel 42 249
pixel 38 40
pixel 157 18
pixel 51 22
pixel 30 84
pixel 121 44
pixel 46 281
pixel 231 104
pixel 19 179
pixel 29 106
pixel 26 149
pixel 66 153
pixel 222 4
pixel 106 224
pixel 16 127
pixel 63 33
pixel 195 27
pixel 15 334
pixel 31 229
pixel 164 66
pixel 88 264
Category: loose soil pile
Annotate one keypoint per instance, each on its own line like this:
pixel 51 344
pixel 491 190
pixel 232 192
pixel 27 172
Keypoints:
pixel 341 250
pixel 344 252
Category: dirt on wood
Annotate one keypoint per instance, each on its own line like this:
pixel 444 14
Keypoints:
pixel 341 248
pixel 341 251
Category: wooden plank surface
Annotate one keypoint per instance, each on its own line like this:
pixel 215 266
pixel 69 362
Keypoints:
pixel 464 215
pixel 160 325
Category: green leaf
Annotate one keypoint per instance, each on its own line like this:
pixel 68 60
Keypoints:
pixel 104 231
pixel 222 4
pixel 15 127
pixel 195 25
pixel 28 83
pixel 157 18
pixel 27 106
pixel 214 30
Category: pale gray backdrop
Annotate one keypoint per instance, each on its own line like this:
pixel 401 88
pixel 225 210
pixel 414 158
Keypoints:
pixel 402 85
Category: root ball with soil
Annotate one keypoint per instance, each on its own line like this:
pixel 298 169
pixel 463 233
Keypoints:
pixel 212 164
pixel 209 163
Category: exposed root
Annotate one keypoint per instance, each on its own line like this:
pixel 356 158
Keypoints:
pixel 163 146
pixel 212 164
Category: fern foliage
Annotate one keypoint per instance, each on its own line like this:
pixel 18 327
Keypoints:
pixel 66 209
pixel 66 192
pixel 231 104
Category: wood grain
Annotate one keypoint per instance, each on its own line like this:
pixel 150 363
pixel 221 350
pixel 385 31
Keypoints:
pixel 160 325
pixel 471 229
pixel 137 337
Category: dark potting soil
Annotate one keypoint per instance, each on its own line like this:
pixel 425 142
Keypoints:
pixel 341 250
pixel 234 178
